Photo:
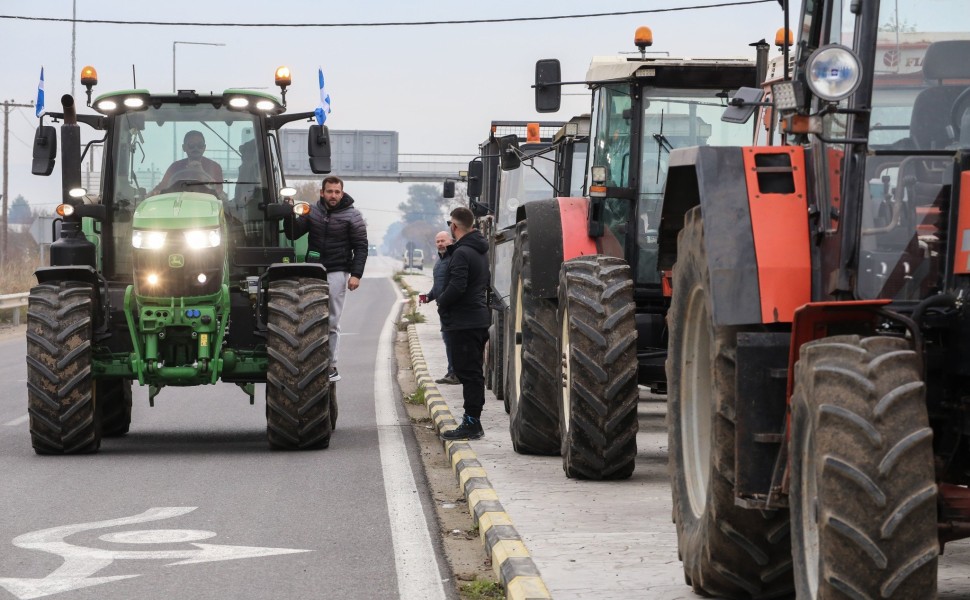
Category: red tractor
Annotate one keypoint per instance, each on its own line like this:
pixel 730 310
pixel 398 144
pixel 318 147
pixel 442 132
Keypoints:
pixel 586 318
pixel 819 333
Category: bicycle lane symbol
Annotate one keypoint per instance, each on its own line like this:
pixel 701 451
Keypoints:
pixel 81 563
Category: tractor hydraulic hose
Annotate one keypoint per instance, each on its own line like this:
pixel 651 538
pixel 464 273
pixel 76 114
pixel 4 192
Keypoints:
pixel 944 300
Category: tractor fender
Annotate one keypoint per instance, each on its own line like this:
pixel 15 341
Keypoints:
pixel 558 231
pixel 756 229
pixel 86 274
pixel 277 271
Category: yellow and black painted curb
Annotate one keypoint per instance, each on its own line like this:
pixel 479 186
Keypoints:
pixel 510 558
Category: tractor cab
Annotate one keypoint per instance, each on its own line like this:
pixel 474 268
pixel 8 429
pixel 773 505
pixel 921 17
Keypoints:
pixel 643 108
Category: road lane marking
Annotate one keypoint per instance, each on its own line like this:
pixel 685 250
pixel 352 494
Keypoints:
pixel 81 562
pixel 414 557
pixel 18 421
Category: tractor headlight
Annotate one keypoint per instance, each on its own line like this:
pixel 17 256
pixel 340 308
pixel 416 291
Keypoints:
pixel 197 239
pixel 149 240
pixel 834 72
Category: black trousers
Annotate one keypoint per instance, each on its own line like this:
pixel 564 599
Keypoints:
pixel 467 356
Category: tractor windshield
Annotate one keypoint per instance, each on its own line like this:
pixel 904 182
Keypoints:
pixel 185 147
pixel 530 181
pixel 920 117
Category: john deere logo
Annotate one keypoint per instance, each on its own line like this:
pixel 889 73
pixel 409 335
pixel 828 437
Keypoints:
pixel 176 261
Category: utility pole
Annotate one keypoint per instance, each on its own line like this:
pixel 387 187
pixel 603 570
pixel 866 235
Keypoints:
pixel 7 105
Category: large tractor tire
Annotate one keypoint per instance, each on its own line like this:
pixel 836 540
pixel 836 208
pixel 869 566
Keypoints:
pixel 727 551
pixel 532 329
pixel 114 398
pixel 298 388
pixel 61 401
pixel 598 358
pixel 863 497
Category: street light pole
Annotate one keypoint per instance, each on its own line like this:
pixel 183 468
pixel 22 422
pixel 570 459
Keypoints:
pixel 193 44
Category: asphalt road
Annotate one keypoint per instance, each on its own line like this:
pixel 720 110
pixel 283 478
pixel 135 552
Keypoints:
pixel 192 503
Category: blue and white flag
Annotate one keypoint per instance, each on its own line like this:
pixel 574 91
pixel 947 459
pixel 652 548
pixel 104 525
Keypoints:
pixel 40 94
pixel 324 109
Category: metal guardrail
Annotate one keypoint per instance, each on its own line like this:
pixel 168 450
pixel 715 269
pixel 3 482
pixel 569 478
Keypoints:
pixel 14 302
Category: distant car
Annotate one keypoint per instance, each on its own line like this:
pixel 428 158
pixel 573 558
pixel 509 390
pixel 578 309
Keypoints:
pixel 417 259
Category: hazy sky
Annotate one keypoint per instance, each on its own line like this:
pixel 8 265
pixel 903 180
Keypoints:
pixel 438 86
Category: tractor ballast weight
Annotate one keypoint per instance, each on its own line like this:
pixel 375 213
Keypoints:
pixel 177 280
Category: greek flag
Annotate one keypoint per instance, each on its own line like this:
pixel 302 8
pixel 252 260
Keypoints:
pixel 40 94
pixel 324 109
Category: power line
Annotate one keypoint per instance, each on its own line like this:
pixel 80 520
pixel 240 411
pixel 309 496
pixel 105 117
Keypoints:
pixel 388 23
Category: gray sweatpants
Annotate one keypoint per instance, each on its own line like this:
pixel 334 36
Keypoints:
pixel 338 290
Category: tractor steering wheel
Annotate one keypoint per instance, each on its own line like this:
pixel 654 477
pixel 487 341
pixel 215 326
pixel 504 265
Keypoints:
pixel 960 106
pixel 187 177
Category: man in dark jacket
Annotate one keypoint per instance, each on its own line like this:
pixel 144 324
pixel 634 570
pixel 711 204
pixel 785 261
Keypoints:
pixel 465 317
pixel 441 241
pixel 338 237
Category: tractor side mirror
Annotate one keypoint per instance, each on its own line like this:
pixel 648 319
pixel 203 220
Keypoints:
pixel 448 190
pixel 475 172
pixel 548 82
pixel 508 152
pixel 278 210
pixel 45 150
pixel 742 105
pixel 318 148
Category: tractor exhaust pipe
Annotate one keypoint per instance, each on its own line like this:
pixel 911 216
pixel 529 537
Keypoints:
pixel 70 151
pixel 70 111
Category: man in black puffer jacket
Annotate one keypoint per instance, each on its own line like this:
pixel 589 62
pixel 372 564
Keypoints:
pixel 338 240
pixel 465 317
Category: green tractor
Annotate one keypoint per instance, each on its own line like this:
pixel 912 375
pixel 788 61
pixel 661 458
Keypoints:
pixel 176 272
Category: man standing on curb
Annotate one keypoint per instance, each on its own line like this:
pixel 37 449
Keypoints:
pixel 463 309
pixel 338 240
pixel 441 241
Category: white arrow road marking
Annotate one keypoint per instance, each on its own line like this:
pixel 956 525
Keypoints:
pixel 80 562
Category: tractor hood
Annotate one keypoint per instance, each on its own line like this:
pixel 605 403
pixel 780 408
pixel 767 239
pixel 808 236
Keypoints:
pixel 180 210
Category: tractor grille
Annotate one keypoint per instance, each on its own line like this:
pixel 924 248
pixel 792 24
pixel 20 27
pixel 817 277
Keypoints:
pixel 176 271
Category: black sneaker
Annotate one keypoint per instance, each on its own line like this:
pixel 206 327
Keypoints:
pixel 449 379
pixel 334 375
pixel 470 428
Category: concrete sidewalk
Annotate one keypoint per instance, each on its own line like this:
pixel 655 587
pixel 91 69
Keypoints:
pixel 604 540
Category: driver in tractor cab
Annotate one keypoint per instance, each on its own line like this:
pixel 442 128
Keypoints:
pixel 194 167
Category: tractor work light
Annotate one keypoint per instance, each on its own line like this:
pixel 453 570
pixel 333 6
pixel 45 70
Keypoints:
pixel 77 192
pixel 134 102
pixel 239 102
pixel 152 279
pixel 148 240
pixel 783 95
pixel 598 175
pixel 834 72
pixel 198 239
pixel 106 106
pixel 287 192
pixel 266 105
pixel 64 210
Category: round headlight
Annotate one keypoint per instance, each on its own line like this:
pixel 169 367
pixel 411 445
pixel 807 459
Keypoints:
pixel 834 72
